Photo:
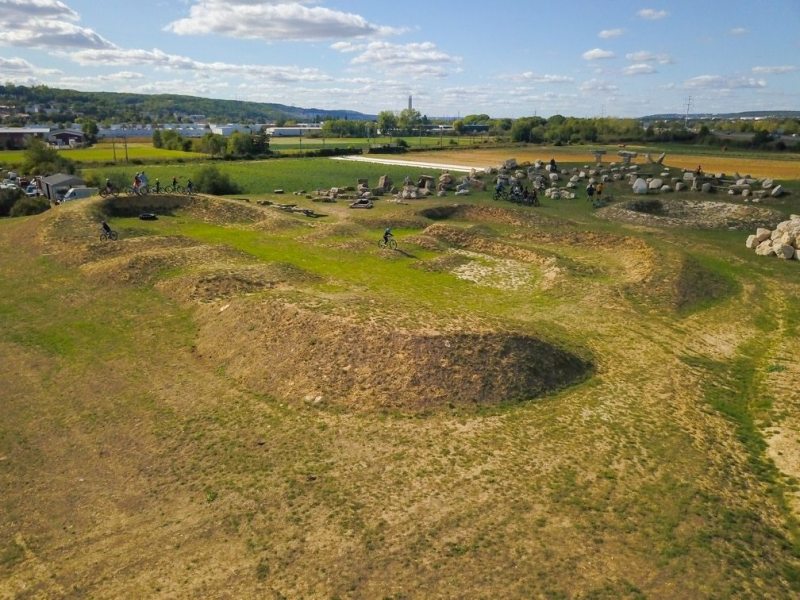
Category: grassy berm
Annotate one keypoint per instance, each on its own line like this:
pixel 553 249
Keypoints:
pixel 237 401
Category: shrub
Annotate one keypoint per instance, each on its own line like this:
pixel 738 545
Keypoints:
pixel 211 180
pixel 7 200
pixel 119 180
pixel 29 206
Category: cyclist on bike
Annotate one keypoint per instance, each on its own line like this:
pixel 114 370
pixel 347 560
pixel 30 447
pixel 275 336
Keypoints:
pixel 387 233
pixel 109 185
pixel 105 227
pixel 174 182
pixel 189 186
pixel 158 186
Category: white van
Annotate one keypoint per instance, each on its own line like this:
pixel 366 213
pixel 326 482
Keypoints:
pixel 77 193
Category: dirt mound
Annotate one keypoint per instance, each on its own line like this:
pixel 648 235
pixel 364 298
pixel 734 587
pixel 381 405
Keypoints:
pixel 210 209
pixel 298 355
pixel 487 214
pixel 696 214
pixel 144 266
pixel 217 282
pixel 679 282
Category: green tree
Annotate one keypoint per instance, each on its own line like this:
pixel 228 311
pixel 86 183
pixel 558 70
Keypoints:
pixel 90 129
pixel 213 144
pixel 40 159
pixel 240 144
pixel 521 130
pixel 409 120
pixel 157 141
pixel 387 122
pixel 261 141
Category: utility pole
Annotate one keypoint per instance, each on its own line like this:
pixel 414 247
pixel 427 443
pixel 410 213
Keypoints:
pixel 688 108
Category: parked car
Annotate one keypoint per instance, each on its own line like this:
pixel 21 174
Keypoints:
pixel 77 193
pixel 32 191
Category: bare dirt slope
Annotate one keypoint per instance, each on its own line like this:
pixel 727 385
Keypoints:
pixel 135 461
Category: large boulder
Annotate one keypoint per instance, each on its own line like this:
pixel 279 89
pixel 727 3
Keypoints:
pixel 640 186
pixel 655 184
pixel 784 251
pixel 706 188
pixel 751 242
pixel 765 248
pixel 777 191
pixel 762 234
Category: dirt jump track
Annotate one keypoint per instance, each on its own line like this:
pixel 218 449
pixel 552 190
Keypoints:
pixel 275 348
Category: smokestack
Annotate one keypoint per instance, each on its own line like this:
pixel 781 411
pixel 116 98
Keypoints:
pixel 409 103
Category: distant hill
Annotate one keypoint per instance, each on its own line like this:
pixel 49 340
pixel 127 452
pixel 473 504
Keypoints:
pixel 61 104
pixel 752 114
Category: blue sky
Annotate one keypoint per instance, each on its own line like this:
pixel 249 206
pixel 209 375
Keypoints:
pixel 506 59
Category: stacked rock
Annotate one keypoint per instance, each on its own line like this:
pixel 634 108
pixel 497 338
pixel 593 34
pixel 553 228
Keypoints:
pixel 782 242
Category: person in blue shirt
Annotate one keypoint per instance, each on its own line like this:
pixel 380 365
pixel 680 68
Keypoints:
pixel 387 234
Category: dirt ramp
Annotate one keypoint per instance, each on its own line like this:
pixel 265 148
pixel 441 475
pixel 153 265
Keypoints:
pixel 300 355
pixel 210 209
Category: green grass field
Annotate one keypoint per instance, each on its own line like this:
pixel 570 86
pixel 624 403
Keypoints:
pixel 262 177
pixel 205 408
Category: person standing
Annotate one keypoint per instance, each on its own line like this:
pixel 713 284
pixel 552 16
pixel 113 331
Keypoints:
pixel 590 192
pixel 599 191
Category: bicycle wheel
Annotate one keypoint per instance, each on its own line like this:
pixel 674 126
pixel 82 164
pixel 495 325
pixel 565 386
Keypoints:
pixel 113 235
pixel 177 189
pixel 381 243
pixel 103 237
pixel 391 244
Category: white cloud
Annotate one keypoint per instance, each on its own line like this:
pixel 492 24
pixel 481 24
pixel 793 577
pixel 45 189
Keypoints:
pixel 530 76
pixel 775 70
pixel 50 34
pixel 597 85
pixel 607 34
pixel 15 11
pixel 724 83
pixel 272 20
pixel 597 53
pixel 652 14
pixel 161 60
pixel 739 31
pixel 348 47
pixel 416 59
pixel 48 24
pixel 639 69
pixel 643 56
pixel 21 67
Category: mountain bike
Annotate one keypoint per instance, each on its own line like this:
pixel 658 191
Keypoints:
pixel 391 243
pixel 108 235
pixel 105 192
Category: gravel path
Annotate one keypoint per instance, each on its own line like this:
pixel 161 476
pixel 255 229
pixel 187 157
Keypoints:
pixel 407 163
